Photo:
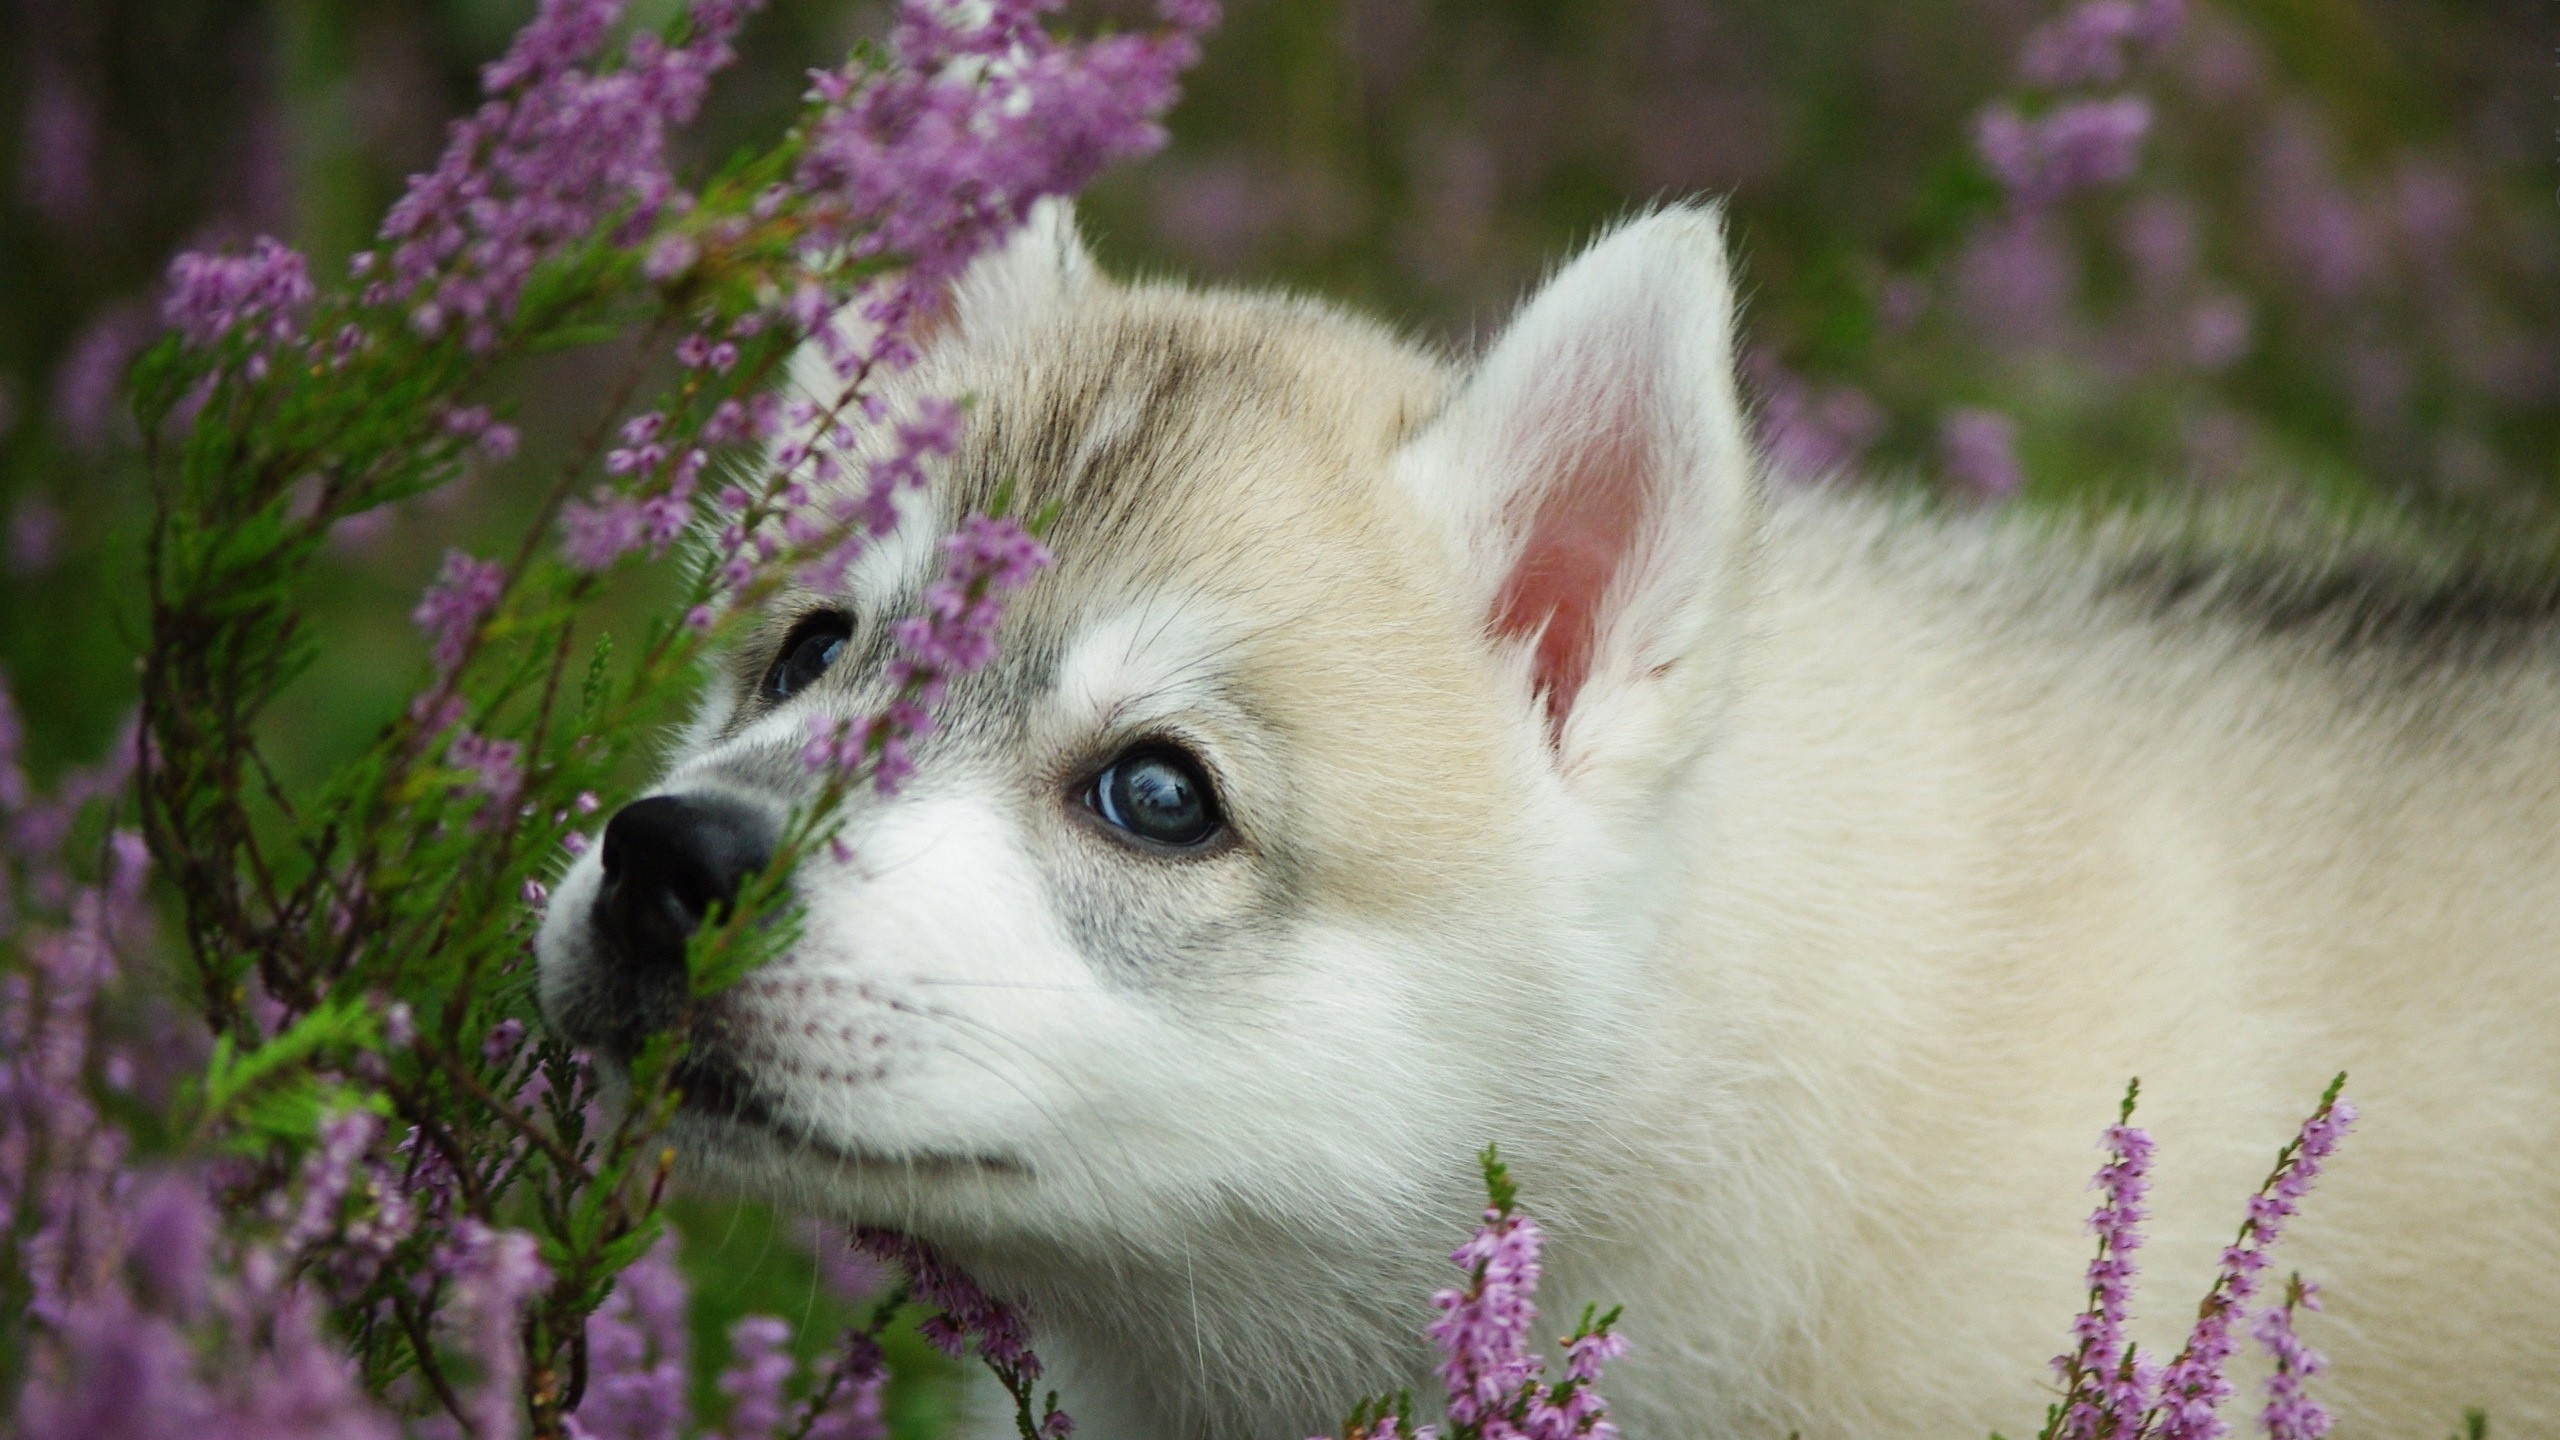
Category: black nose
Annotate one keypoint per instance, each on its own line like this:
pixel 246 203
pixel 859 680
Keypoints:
pixel 669 862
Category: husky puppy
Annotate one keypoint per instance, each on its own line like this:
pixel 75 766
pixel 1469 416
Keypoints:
pixel 1407 754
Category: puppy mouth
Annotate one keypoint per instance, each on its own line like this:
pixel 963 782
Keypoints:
pixel 715 1090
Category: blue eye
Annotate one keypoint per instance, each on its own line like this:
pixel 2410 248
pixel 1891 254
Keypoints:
pixel 1159 795
pixel 812 646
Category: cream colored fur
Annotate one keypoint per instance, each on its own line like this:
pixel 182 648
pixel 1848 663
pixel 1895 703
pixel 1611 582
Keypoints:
pixel 1796 970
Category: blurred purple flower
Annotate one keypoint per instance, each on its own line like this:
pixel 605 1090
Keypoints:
pixel 850 1272
pixel 493 1273
pixel 2079 145
pixel 2224 64
pixel 88 386
pixel 58 148
pixel 2220 329
pixel 494 767
pixel 596 533
pixel 329 1173
pixel 1979 450
pixel 2308 218
pixel 261 292
pixel 2016 278
pixel 2160 238
pixel 1809 432
pixel 1460 181
pixel 2431 207
pixel 862 1383
pixel 35 536
pixel 1218 212
pixel 465 591
pixel 637 1353
pixel 2089 43
pixel 2082 46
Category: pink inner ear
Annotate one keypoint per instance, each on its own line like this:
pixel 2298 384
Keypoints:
pixel 1582 534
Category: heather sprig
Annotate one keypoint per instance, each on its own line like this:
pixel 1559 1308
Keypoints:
pixel 1491 1380
pixel 966 1318
pixel 2290 1413
pixel 2104 1385
pixel 2192 1387
pixel 2110 1393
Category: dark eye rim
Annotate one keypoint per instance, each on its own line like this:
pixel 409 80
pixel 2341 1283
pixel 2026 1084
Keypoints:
pixel 1083 798
pixel 817 622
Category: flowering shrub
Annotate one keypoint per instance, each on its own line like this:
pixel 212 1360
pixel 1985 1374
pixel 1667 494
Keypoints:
pixel 2109 1392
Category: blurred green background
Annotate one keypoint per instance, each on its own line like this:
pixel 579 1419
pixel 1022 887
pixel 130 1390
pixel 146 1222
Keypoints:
pixel 2335 280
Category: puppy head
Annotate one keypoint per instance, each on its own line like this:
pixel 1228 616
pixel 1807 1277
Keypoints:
pixel 1274 865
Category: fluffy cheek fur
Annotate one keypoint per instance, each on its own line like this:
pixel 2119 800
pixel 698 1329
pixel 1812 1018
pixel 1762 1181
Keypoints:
pixel 959 1051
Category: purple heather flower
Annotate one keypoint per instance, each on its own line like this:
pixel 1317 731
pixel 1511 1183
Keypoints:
pixel 2192 1387
pixel 493 1274
pixel 35 536
pixel 1483 1329
pixel 2430 207
pixel 498 1048
pixel 850 1273
pixel 862 1381
pixel 938 159
pixel 2308 217
pixel 2015 278
pixel 464 593
pixel 985 560
pixel 260 294
pixel 58 147
pixel 2160 238
pixel 2089 43
pixel 596 533
pixel 113 1372
pixel 301 1385
pixel 1979 449
pixel 968 1315
pixel 88 386
pixel 173 1228
pixel 2291 1414
pixel 328 1174
pixel 2080 145
pixel 494 766
pixel 933 432
pixel 637 1354
pixel 1809 431
pixel 558 145
pixel 2219 331
pixel 760 1366
pixel 1491 1377
pixel 2103 1397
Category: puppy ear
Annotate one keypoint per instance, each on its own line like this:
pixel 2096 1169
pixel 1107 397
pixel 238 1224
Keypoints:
pixel 1038 269
pixel 1595 479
